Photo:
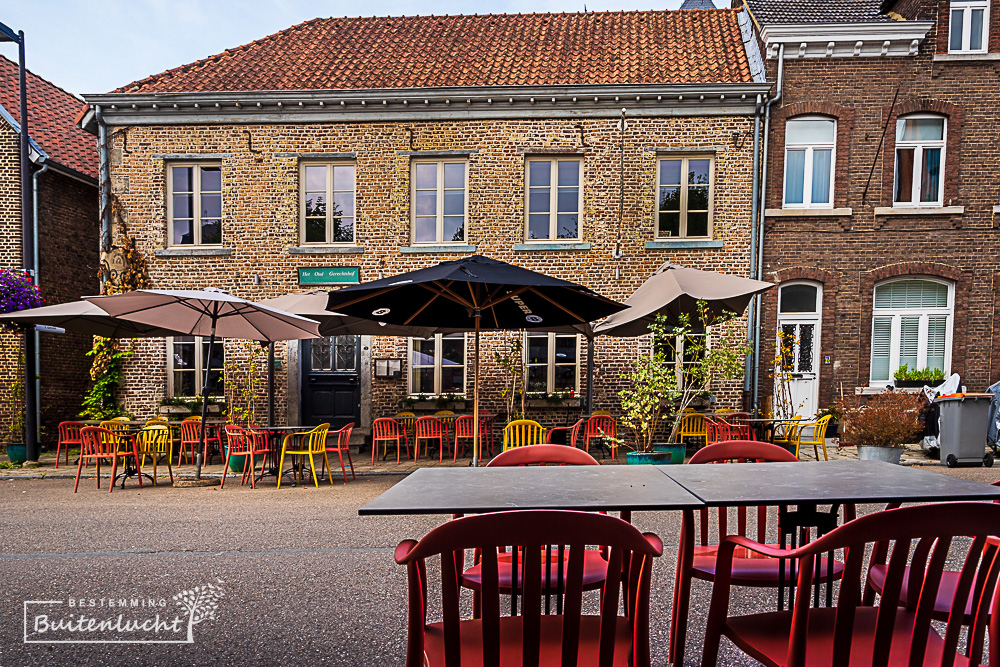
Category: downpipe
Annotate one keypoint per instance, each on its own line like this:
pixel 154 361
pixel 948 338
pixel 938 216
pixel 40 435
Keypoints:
pixel 34 233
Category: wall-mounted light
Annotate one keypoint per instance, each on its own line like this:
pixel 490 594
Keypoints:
pixel 389 368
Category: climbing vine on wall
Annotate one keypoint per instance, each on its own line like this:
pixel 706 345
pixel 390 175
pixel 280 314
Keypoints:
pixel 108 353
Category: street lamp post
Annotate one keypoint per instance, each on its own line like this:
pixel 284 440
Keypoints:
pixel 27 251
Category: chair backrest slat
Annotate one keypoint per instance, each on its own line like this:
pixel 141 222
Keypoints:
pixel 449 604
pixel 885 622
pixel 531 609
pixel 850 591
pixel 573 606
pixel 963 589
pixel 490 608
pixel 928 595
pixel 609 613
pixel 542 455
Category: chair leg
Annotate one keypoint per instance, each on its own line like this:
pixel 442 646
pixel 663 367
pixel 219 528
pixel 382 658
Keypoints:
pixel 138 468
pixel 170 469
pixel 350 463
pixel 154 467
pixel 97 465
pixel 58 447
pixel 225 468
pixel 682 591
pixel 281 464
pixel 79 469
pixel 114 468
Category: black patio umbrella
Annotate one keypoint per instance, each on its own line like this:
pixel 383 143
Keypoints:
pixel 473 294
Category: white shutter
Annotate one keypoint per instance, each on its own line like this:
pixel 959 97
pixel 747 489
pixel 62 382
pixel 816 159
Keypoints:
pixel 937 330
pixel 881 341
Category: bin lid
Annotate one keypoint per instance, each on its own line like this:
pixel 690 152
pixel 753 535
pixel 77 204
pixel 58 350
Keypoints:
pixel 973 396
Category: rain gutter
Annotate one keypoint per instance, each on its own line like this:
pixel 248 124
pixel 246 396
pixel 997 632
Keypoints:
pixel 103 184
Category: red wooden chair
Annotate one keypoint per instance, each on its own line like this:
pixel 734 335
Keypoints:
pixel 699 561
pixel 878 568
pixel 342 446
pixel 543 455
pixel 428 428
pixel 69 435
pixel 488 418
pixel 464 429
pixel 261 448
pixel 719 430
pixel 895 632
pixel 740 428
pixel 384 431
pixel 101 443
pixel 569 638
pixel 602 427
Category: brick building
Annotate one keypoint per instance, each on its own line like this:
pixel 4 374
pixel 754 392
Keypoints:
pixel 420 139
pixel 64 164
pixel 882 190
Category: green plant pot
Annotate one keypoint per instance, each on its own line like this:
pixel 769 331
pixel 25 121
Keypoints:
pixel 677 450
pixel 646 458
pixel 17 453
pixel 237 461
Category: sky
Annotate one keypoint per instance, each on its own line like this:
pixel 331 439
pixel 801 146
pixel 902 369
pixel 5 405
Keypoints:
pixel 95 46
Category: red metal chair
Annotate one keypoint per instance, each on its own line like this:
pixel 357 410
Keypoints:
pixel 101 443
pixel 384 431
pixel 487 417
pixel 878 568
pixel 464 429
pixel 604 428
pixel 428 428
pixel 342 446
pixel 895 632
pixel 262 448
pixel 699 561
pixel 69 435
pixel 569 638
pixel 719 430
pixel 740 428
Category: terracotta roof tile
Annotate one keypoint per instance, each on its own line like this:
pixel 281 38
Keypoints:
pixel 51 119
pixel 694 46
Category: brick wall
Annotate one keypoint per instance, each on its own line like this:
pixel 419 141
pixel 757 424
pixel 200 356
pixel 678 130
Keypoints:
pixel 67 243
pixel 849 254
pixel 261 216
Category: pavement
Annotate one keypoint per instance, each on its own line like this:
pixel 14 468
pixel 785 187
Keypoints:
pixel 304 579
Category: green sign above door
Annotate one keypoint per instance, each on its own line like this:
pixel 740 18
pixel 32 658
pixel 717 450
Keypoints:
pixel 329 275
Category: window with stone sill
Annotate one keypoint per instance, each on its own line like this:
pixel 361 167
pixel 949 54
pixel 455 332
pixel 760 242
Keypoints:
pixel 809 162
pixel 684 196
pixel 186 359
pixel 912 325
pixel 553 362
pixel 439 201
pixel 920 160
pixel 437 364
pixel 554 199
pixel 194 204
pixel 968 30
pixel 683 352
pixel 327 203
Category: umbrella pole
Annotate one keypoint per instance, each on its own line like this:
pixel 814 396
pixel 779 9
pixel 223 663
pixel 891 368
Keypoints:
pixel 270 384
pixel 475 400
pixel 204 403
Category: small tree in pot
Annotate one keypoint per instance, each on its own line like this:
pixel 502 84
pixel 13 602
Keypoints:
pixel 881 426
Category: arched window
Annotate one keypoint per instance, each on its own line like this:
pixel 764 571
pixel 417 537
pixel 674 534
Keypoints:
pixel 911 324
pixel 809 162
pixel 920 143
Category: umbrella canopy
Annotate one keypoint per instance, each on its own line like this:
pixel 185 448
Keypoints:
pixel 87 318
pixel 474 294
pixel 676 289
pixel 448 296
pixel 207 312
pixel 312 304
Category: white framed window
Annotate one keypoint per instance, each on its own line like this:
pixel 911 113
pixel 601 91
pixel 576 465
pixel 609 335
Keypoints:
pixel 554 199
pixel 911 324
pixel 437 365
pixel 553 362
pixel 969 26
pixel 194 204
pixel 685 351
pixel 920 152
pixel 326 203
pixel 685 188
pixel 440 204
pixel 809 162
pixel 186 359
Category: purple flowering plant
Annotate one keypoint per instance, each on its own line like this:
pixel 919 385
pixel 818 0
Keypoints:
pixel 18 292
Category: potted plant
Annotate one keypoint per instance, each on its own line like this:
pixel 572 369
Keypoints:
pixel 174 406
pixel 835 412
pixel 917 377
pixel 668 377
pixel 406 403
pixel 17 292
pixel 17 450
pixel 881 426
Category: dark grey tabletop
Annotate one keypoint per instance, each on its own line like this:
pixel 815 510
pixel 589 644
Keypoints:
pixel 824 482
pixel 478 490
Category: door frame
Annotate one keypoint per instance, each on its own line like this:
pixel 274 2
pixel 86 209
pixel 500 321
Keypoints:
pixel 816 319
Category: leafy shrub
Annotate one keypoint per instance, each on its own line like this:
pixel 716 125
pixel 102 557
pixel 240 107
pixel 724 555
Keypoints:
pixel 887 419
pixel 904 372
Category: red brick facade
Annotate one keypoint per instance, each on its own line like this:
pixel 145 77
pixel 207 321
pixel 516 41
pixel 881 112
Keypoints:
pixel 850 254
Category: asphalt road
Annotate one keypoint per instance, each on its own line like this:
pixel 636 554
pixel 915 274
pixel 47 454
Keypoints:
pixel 305 580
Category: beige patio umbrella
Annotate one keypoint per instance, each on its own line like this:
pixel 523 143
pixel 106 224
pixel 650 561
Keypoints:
pixel 87 318
pixel 676 289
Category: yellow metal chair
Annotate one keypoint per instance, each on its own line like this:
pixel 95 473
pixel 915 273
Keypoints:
pixel 597 413
pixel 785 432
pixel 521 432
pixel 693 425
pixel 116 425
pixel 158 419
pixel 724 411
pixel 817 439
pixel 154 441
pixel 311 444
pixel 447 418
pixel 408 420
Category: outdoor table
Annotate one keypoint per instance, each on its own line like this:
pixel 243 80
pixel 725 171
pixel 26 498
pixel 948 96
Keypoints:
pixel 276 451
pixel 808 485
